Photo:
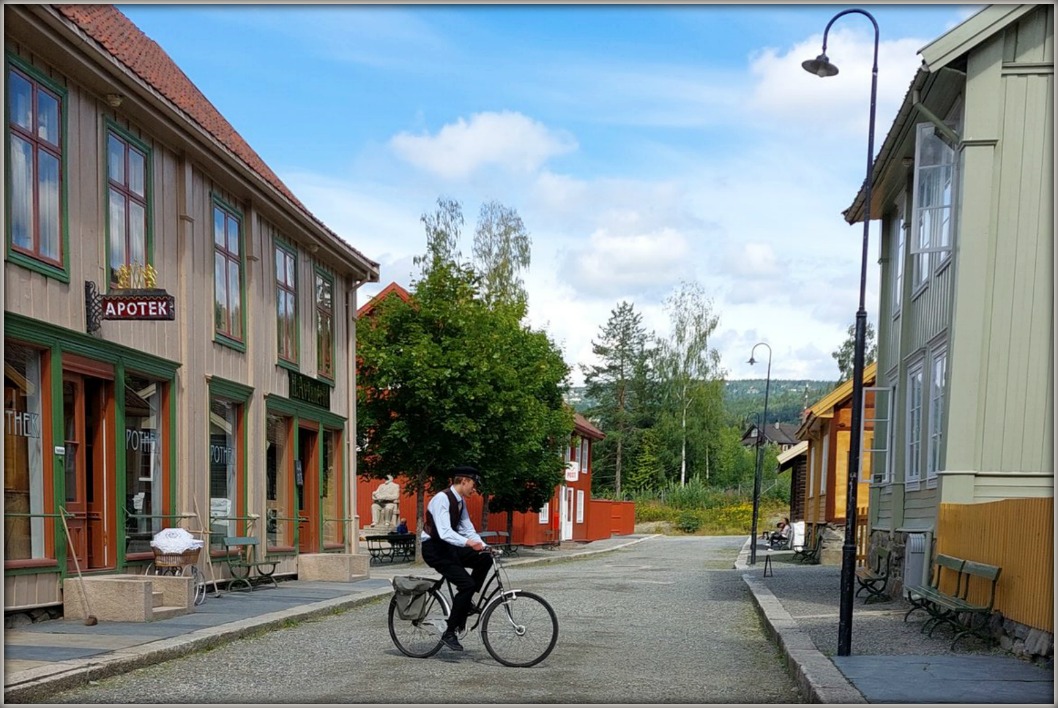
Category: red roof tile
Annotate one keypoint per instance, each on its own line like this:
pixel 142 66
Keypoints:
pixel 124 41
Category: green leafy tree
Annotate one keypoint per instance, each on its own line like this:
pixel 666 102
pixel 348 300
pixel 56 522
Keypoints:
pixel 502 249
pixel 845 353
pixel 622 350
pixel 688 366
pixel 647 471
pixel 445 380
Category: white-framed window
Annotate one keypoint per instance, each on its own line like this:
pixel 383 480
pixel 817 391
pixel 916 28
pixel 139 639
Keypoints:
pixel 913 471
pixel 933 204
pixel 897 230
pixel 584 454
pixel 826 462
pixel 937 392
pixel 812 468
pixel 580 506
pixel 545 512
pixel 879 421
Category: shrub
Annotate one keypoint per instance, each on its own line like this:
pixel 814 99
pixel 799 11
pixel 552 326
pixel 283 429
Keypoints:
pixel 688 522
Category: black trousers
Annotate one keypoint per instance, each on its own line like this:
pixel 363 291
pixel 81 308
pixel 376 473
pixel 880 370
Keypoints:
pixel 451 562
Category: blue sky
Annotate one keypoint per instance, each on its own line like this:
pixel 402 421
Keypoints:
pixel 641 145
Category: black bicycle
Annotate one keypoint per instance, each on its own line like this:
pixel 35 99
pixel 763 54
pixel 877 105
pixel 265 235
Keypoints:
pixel 518 628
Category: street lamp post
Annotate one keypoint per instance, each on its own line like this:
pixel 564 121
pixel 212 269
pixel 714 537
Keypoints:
pixel 821 66
pixel 761 433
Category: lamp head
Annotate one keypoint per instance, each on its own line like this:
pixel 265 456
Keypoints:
pixel 752 361
pixel 820 66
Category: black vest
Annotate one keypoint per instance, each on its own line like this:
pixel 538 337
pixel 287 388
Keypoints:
pixel 455 514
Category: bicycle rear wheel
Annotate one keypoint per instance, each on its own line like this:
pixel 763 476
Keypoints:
pixel 519 629
pixel 200 585
pixel 420 638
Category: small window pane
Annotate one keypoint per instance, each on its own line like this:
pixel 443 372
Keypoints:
pixel 115 159
pixel 234 298
pixel 20 101
pixel 49 206
pixel 233 236
pixel 21 193
pixel 218 227
pixel 47 117
pixel 220 293
pixel 117 232
pixel 137 234
pixel 137 173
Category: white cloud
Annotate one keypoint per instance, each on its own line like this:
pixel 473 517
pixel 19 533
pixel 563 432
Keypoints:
pixel 612 264
pixel 506 139
pixel 800 101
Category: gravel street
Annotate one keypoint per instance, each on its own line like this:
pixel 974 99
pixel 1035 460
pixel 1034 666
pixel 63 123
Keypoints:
pixel 664 621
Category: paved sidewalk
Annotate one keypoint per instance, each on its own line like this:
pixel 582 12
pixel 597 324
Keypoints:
pixel 46 657
pixel 891 660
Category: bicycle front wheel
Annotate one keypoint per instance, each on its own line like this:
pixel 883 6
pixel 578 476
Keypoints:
pixel 420 638
pixel 519 629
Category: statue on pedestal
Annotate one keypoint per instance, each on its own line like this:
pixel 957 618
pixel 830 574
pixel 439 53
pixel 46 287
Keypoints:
pixel 384 503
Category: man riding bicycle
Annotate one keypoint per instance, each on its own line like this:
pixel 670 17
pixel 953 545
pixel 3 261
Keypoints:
pixel 450 545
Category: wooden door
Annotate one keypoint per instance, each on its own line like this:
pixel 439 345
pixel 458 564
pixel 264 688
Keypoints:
pixel 307 484
pixel 88 470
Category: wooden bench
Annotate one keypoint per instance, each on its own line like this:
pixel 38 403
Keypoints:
pixel 953 608
pixel 810 552
pixel 873 577
pixel 391 547
pixel 242 561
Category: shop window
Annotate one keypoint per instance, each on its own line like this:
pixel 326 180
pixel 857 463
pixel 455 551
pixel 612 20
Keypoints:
pixel 225 467
pixel 35 189
pixel 331 489
pixel 278 482
pixel 24 488
pixel 145 456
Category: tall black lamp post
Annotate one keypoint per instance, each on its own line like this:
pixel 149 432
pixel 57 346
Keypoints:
pixel 821 66
pixel 761 437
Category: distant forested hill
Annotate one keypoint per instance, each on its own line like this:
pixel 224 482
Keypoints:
pixel 744 399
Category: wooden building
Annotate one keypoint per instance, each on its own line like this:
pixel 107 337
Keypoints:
pixel 964 188
pixel 178 328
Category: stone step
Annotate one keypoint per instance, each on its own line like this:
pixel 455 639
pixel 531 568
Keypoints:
pixel 166 612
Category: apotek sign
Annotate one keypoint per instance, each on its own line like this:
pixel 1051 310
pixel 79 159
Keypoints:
pixel 138 307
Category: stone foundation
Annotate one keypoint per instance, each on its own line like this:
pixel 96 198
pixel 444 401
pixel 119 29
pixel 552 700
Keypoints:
pixel 333 567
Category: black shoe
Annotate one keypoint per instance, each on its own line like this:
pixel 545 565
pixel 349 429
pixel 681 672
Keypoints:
pixel 451 641
pixel 473 611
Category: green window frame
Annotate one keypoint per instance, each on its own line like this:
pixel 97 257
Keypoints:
pixel 286 262
pixel 37 229
pixel 128 198
pixel 229 314
pixel 325 344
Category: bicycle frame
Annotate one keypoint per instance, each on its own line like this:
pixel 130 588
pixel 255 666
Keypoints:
pixel 492 587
